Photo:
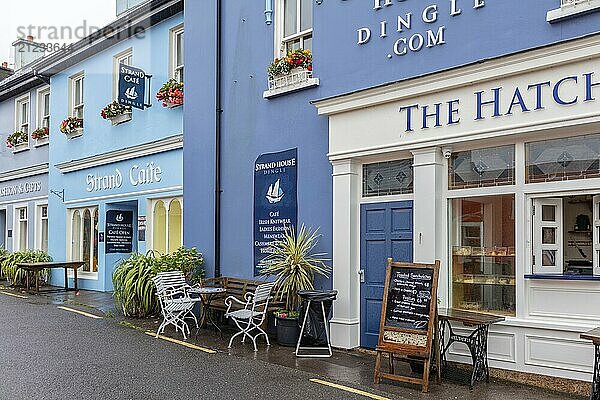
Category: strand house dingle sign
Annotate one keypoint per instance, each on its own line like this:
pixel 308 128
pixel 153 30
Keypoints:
pixel 275 200
pixel 408 318
pixel 119 231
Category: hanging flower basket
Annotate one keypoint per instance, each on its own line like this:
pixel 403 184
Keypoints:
pixel 116 113
pixel 17 141
pixel 72 127
pixel 171 94
pixel 40 135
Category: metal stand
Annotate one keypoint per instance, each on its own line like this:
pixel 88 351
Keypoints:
pixel 596 382
pixel 328 348
pixel 477 344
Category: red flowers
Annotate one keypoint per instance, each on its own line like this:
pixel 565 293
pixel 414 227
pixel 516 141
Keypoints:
pixel 171 93
pixel 40 133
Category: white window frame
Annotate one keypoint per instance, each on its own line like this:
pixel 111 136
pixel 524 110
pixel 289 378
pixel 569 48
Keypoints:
pixel 175 71
pixel 72 85
pixel 280 38
pixel 124 57
pixel 150 218
pixel 570 9
pixel 17 227
pixel 70 213
pixel 538 246
pixel 38 224
pixel 19 124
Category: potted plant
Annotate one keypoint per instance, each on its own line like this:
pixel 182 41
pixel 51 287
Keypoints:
pixel 40 135
pixel 294 264
pixel 17 141
pixel 171 94
pixel 297 63
pixel 72 127
pixel 117 113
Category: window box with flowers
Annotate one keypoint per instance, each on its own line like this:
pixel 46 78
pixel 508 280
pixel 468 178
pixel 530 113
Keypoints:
pixel 41 136
pixel 72 127
pixel 171 94
pixel 117 113
pixel 17 141
pixel 291 73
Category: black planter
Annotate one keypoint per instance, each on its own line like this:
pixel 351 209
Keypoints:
pixel 288 331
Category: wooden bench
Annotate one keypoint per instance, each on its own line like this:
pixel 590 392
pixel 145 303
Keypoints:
pixel 238 288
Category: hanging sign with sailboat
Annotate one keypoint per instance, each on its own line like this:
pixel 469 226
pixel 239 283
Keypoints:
pixel 275 199
pixel 132 86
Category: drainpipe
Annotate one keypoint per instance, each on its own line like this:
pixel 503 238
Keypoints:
pixel 219 111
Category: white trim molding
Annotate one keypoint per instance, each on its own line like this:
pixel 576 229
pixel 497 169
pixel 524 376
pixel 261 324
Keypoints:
pixel 127 153
pixel 24 172
pixel 572 8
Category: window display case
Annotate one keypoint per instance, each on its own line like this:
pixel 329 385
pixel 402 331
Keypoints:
pixel 483 254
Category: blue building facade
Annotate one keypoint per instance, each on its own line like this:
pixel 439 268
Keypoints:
pixel 414 131
pixel 24 101
pixel 117 185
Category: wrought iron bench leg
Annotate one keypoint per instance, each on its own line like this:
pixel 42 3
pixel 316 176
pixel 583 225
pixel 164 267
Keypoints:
pixel 596 382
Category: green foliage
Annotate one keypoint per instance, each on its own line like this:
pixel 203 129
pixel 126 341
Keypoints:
pixel 16 276
pixel 294 263
pixel 134 290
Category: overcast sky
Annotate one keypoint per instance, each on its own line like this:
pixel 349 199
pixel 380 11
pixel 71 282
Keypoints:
pixel 47 17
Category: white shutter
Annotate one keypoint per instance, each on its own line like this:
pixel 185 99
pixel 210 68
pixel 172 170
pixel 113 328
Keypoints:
pixel 596 254
pixel 548 236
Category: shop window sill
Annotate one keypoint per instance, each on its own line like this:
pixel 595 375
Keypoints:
pixel 93 276
pixel 564 277
pixel 42 142
pixel 572 8
pixel 299 80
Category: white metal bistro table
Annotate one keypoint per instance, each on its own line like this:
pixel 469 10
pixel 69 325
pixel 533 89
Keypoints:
pixel 207 295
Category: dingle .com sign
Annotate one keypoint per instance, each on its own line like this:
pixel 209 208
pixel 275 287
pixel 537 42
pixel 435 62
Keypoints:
pixel 132 86
pixel 275 200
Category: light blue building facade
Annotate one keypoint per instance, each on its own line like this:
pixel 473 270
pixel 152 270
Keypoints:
pixel 424 131
pixel 116 186
pixel 24 101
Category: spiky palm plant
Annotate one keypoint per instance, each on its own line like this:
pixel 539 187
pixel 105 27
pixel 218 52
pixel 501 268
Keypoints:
pixel 294 264
pixel 15 275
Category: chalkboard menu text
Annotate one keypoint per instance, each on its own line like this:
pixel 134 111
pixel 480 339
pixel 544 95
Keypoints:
pixel 119 231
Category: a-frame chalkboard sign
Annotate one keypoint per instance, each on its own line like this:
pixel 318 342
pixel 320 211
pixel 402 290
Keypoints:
pixel 408 319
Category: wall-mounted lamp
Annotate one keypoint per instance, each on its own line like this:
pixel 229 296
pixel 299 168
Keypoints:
pixel 319 2
pixel 268 12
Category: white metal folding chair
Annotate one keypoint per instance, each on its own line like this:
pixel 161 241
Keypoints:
pixel 175 302
pixel 252 315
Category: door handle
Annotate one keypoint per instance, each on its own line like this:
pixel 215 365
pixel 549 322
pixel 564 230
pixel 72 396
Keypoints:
pixel 361 273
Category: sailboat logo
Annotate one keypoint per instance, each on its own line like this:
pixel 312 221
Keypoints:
pixel 131 94
pixel 274 194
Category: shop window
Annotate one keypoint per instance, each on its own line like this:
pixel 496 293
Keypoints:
pixel 126 58
pixel 83 234
pixel 388 178
pixel 566 234
pixel 22 234
pixel 294 22
pixel 42 224
pixel 22 114
pixel 167 225
pixel 563 159
pixel 483 254
pixel 494 166
pixel 76 98
pixel 177 53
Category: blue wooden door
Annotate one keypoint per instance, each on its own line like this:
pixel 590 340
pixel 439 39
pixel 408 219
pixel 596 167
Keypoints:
pixel 386 230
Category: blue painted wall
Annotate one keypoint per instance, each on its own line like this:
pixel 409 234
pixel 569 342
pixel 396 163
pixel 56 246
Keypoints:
pixel 10 161
pixel 253 125
pixel 151 53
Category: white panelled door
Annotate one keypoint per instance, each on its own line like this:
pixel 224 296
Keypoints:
pixel 547 236
pixel 596 228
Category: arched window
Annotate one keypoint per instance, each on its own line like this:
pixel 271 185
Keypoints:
pixel 84 237
pixel 76 236
pixel 175 225
pixel 167 225
pixel 87 240
pixel 159 227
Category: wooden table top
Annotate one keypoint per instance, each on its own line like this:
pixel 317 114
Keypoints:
pixel 468 317
pixel 51 264
pixel 593 335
